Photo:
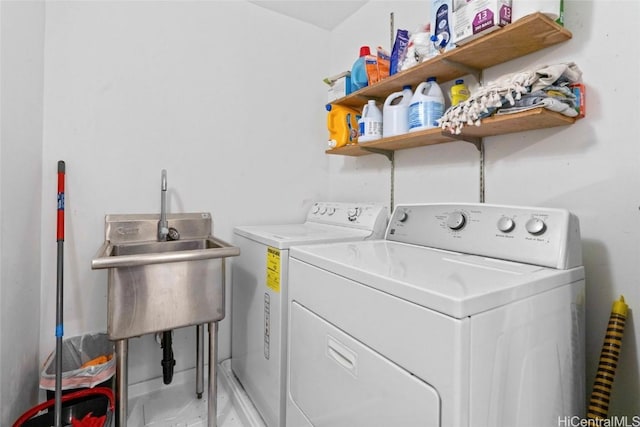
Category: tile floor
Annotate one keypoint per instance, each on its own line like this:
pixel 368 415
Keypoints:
pixel 153 404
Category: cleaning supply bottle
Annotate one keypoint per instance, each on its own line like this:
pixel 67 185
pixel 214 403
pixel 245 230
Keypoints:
pixel 359 70
pixel 459 92
pixel 370 122
pixel 427 106
pixel 395 112
pixel 342 124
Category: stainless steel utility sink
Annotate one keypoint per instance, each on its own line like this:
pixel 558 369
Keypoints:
pixel 146 253
pixel 156 286
pixel 166 271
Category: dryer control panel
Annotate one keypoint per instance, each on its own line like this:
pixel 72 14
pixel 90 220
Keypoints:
pixel 366 216
pixel 541 236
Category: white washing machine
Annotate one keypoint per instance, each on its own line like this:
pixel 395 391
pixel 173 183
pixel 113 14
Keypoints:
pixel 259 310
pixel 464 315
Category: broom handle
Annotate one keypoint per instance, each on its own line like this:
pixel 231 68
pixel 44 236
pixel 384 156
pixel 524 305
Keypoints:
pixel 59 295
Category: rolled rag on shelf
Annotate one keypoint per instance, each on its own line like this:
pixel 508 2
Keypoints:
pixel 545 86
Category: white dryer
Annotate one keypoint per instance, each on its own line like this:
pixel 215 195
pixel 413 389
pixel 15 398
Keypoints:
pixel 259 292
pixel 465 315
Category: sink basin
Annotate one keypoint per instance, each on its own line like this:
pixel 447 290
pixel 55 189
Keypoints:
pixel 164 247
pixel 113 255
pixel 156 286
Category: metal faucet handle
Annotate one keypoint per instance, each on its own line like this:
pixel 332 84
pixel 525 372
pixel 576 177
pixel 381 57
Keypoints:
pixel 173 234
pixel 163 231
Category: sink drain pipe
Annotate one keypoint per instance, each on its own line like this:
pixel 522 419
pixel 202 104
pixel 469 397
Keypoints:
pixel 168 362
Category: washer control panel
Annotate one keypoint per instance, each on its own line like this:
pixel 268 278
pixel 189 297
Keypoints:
pixel 541 236
pixel 367 216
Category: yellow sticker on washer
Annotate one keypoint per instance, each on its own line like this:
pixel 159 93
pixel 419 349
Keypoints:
pixel 273 269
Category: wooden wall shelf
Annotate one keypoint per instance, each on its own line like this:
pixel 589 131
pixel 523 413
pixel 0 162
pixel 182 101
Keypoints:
pixel 527 35
pixel 539 118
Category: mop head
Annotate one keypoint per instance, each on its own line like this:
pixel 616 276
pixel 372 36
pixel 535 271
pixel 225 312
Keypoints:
pixel 89 421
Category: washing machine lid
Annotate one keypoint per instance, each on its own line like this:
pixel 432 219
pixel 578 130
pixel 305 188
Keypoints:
pixel 286 235
pixel 455 284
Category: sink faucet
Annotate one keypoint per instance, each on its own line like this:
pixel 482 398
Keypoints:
pixel 163 225
pixel 164 231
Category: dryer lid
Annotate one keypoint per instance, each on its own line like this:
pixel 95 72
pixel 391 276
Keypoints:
pixel 285 236
pixel 325 222
pixel 452 283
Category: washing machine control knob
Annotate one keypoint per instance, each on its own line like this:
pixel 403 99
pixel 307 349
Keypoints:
pixel 506 224
pixel 315 209
pixel 353 213
pixel 456 220
pixel 323 210
pixel 536 226
pixel 403 216
pixel 331 211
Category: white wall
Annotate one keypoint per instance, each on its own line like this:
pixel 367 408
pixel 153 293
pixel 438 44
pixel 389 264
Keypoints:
pixel 590 168
pixel 21 48
pixel 220 93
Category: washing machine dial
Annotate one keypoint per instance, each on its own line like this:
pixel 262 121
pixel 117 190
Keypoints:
pixel 353 213
pixel 323 210
pixel 536 226
pixel 403 216
pixel 315 209
pixel 456 220
pixel 506 224
pixel 331 211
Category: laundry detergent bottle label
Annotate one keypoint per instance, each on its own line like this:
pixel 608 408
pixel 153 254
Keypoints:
pixel 425 114
pixel 370 129
pixel 370 124
pixel 427 106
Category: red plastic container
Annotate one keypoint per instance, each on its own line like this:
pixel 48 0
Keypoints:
pixel 98 401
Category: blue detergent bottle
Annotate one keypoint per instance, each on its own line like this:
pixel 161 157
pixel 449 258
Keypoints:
pixel 359 70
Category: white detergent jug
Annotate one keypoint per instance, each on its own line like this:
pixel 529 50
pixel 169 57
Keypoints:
pixel 370 123
pixel 395 113
pixel 427 106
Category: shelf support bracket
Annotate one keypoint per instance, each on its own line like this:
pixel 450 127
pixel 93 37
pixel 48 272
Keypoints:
pixel 387 153
pixel 471 139
pixel 479 144
pixel 467 69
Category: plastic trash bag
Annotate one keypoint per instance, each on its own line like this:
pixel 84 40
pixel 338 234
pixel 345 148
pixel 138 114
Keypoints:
pixel 76 352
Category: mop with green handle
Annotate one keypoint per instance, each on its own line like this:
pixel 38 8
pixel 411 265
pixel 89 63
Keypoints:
pixel 59 299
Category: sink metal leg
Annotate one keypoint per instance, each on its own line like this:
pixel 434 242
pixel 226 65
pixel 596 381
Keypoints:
pixel 199 360
pixel 122 381
pixel 213 383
